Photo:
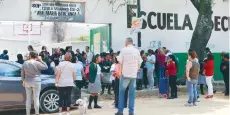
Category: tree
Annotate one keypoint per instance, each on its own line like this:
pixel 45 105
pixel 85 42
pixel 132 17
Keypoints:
pixel 59 31
pixel 204 26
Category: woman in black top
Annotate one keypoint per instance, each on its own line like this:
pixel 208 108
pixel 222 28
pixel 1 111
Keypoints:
pixel 20 59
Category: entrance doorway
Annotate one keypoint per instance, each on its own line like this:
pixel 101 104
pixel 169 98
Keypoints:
pixel 53 35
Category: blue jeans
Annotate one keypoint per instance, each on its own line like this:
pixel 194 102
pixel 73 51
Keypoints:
pixel 192 90
pixel 162 72
pixel 124 83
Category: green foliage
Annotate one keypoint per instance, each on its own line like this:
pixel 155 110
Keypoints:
pixel 82 38
pixel 204 4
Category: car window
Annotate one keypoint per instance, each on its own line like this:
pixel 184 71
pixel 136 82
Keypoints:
pixel 9 70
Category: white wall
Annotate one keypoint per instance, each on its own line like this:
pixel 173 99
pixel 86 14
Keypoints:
pixel 18 10
pixel 13 47
pixel 100 11
pixel 176 40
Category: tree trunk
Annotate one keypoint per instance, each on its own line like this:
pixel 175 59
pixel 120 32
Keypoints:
pixel 203 29
pixel 59 31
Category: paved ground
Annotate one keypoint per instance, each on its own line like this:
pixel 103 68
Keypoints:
pixel 219 105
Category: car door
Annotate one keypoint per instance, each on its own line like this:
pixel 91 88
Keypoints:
pixel 12 92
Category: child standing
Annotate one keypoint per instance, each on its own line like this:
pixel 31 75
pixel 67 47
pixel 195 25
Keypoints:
pixel 116 73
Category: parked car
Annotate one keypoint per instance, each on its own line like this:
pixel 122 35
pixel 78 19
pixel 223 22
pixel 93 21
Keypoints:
pixel 12 93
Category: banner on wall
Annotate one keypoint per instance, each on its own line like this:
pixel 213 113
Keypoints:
pixel 136 25
pixel 61 11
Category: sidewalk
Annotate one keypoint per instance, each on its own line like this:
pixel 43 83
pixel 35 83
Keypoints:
pixel 182 90
pixel 219 105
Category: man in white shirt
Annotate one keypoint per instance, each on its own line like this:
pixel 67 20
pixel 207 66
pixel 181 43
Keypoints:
pixel 130 61
pixel 89 55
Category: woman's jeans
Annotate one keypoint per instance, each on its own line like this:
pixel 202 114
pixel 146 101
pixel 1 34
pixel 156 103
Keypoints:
pixel 162 72
pixel 150 77
pixel 192 90
pixel 33 90
pixel 209 84
pixel 65 96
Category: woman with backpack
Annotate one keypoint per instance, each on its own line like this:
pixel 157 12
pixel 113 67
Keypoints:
pixel 192 73
pixel 94 86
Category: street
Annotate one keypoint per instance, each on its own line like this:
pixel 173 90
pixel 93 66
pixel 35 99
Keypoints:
pixel 149 106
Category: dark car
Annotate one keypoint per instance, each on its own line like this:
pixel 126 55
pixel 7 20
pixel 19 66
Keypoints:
pixel 12 93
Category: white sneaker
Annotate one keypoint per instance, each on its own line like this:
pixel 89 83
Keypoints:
pixel 194 104
pixel 198 100
pixel 188 105
pixel 59 113
pixel 68 113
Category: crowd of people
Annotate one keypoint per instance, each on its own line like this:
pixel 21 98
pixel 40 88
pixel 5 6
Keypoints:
pixel 123 72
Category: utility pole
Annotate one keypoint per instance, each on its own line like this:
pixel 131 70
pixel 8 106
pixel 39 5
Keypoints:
pixel 138 16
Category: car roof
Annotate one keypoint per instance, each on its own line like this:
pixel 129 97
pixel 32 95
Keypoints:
pixel 11 63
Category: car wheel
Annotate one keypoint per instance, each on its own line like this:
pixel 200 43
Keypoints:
pixel 49 101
